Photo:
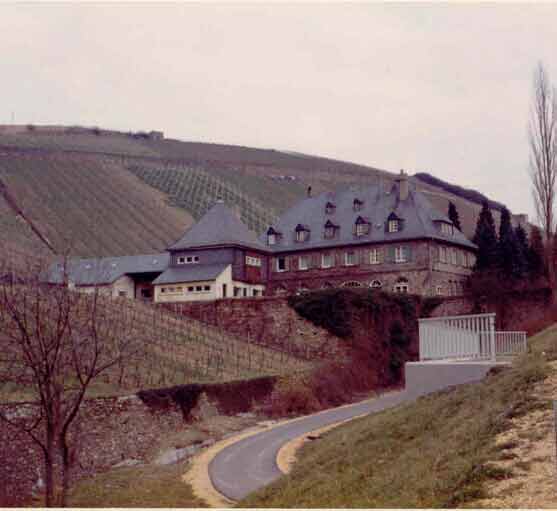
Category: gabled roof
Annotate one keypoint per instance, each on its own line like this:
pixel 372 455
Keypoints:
pixel 219 226
pixel 191 273
pixel 379 204
pixel 106 270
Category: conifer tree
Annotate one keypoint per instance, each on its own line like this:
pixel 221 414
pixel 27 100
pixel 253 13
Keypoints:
pixel 486 240
pixel 507 247
pixel 536 253
pixel 453 216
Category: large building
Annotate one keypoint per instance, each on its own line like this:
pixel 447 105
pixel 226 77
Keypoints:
pixel 389 238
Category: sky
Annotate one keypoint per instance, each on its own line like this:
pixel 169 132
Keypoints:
pixel 438 88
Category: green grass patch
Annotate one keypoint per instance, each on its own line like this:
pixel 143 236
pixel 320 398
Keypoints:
pixel 434 452
pixel 144 486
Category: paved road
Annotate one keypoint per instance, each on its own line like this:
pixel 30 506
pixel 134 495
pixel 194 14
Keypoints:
pixel 250 464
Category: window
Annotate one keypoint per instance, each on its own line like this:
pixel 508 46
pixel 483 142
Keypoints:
pixel 198 289
pixel 327 260
pixel 237 291
pixel 453 256
pixel 191 289
pixel 351 283
pixel 303 262
pixel 443 254
pixel 393 226
pixel 330 230
pixel 163 290
pixel 281 263
pixel 362 229
pixel 374 256
pixel 188 259
pixel 255 292
pixel 357 204
pixel 329 208
pixel 253 261
pixel 447 229
pixel 376 284
pixel 401 286
pixel 273 237
pixel 302 233
pixel 401 255
pixel 245 291
pixel 206 288
pixel 361 226
pixel 439 290
pixel 122 293
pixel 349 258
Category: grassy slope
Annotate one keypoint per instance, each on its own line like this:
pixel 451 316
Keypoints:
pixel 89 206
pixel 432 453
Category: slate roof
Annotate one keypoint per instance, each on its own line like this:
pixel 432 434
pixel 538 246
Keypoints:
pixel 219 226
pixel 106 270
pixel 191 273
pixel 417 213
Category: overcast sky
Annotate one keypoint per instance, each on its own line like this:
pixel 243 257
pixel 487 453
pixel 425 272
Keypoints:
pixel 426 87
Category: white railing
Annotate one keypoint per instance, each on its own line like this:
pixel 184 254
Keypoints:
pixel 467 338
pixel 457 337
pixel 510 343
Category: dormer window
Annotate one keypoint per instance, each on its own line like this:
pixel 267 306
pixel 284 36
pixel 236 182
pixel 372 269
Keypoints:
pixel 330 230
pixel 446 228
pixel 302 233
pixel 361 226
pixel 273 236
pixel 357 204
pixel 394 223
pixel 329 208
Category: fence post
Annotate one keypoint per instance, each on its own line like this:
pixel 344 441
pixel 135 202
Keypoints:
pixel 492 336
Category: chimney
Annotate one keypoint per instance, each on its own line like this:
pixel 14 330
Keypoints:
pixel 402 181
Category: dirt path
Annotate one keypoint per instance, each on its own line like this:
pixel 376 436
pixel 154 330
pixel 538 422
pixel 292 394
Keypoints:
pixel 528 452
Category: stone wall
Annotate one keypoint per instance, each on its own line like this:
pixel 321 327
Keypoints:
pixel 110 430
pixel 269 321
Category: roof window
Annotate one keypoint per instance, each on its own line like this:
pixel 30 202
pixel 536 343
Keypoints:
pixel 273 236
pixel 358 204
pixel 302 233
pixel 329 208
pixel 330 230
pixel 361 226
pixel 394 223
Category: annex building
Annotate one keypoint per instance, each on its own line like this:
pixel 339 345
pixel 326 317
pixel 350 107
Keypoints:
pixel 385 238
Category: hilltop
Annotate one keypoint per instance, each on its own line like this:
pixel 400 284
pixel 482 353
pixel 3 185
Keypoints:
pixel 95 192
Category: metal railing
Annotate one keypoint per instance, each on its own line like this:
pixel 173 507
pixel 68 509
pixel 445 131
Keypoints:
pixel 467 337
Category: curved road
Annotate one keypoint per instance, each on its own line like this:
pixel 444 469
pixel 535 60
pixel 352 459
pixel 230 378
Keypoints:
pixel 250 464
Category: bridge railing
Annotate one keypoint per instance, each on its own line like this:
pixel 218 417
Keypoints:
pixel 467 337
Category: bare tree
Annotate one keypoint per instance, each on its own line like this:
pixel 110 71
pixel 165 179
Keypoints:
pixel 55 343
pixel 543 149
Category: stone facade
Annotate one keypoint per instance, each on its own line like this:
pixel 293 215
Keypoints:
pixel 415 263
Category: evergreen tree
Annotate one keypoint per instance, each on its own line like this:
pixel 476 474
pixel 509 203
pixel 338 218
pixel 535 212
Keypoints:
pixel 522 247
pixel 453 216
pixel 536 253
pixel 508 249
pixel 486 240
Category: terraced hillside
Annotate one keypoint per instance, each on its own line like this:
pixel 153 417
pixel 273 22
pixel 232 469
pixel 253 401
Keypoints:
pixel 167 349
pixel 87 205
pixel 71 183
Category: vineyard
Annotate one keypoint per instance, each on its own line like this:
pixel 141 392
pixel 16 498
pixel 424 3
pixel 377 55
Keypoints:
pixel 195 190
pixel 89 206
pixel 166 349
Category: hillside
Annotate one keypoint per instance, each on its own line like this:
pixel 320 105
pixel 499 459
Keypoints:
pixel 441 451
pixel 145 191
